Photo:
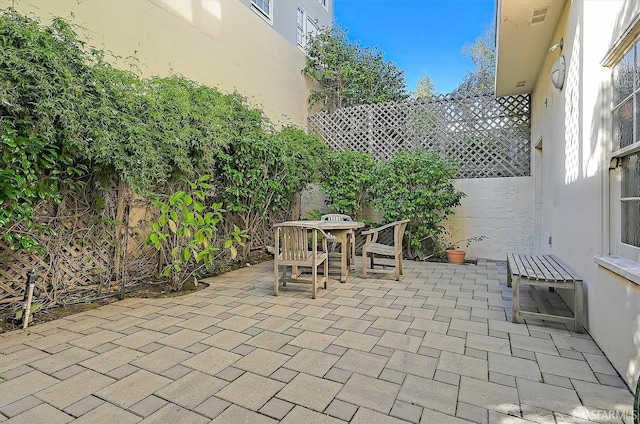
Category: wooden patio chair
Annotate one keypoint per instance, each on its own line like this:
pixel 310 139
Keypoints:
pixel 372 247
pixel 297 246
pixel 351 236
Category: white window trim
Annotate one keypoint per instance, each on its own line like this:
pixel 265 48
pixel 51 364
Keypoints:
pixel 307 21
pixel 324 4
pixel 616 246
pixel 302 46
pixel 268 17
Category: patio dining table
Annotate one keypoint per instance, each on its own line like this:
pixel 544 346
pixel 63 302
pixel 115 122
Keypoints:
pixel 339 230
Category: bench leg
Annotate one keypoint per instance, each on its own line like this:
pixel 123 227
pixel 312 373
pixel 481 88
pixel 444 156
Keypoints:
pixel 578 308
pixel 515 300
pixel 508 274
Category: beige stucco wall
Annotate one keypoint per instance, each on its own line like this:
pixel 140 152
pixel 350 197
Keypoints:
pixel 499 209
pixel 216 42
pixel 572 205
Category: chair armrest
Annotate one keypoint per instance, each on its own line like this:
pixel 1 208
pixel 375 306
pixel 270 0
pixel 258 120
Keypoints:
pixel 375 230
pixel 321 231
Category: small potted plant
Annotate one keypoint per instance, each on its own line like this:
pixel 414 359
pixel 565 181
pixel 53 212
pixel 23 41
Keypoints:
pixel 455 250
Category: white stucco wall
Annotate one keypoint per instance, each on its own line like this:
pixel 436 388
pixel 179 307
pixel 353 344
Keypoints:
pixel 572 207
pixel 501 209
pixel 498 208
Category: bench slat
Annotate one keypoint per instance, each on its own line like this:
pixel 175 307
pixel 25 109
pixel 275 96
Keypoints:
pixel 542 267
pixel 540 272
pixel 527 268
pixel 544 271
pixel 561 265
pixel 547 268
pixel 511 261
pixel 560 270
pixel 523 268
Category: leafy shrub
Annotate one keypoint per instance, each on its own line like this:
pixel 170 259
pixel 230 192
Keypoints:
pixel 147 131
pixel 150 133
pixel 187 233
pixel 417 186
pixel 32 170
pixel 345 180
pixel 47 86
pixel 259 175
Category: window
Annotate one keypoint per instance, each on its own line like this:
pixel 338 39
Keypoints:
pixel 324 3
pixel 264 9
pixel 312 30
pixel 626 150
pixel 306 28
pixel 301 17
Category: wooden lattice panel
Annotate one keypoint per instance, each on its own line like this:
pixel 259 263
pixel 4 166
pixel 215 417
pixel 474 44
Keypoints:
pixel 78 262
pixel 488 137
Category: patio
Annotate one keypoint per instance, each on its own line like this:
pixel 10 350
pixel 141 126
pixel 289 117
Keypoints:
pixel 436 347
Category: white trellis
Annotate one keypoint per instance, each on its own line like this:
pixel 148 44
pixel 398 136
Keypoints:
pixel 488 136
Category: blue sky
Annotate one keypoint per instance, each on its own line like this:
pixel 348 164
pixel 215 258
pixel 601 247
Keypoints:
pixel 420 36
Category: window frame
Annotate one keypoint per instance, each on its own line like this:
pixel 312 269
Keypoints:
pixel 324 4
pixel 316 29
pixel 618 154
pixel 267 16
pixel 307 21
pixel 301 39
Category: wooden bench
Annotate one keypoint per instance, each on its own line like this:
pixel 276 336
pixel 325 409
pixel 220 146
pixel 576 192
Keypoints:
pixel 544 271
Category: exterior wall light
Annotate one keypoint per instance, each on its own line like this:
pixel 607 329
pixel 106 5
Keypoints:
pixel 558 72
pixel 558 67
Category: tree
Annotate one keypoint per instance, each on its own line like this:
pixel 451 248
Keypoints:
pixel 348 74
pixel 483 55
pixel 425 87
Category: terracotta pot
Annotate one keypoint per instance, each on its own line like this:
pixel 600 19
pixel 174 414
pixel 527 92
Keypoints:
pixel 455 256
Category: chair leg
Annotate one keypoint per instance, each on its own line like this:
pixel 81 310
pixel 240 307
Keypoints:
pixel 326 272
pixel 314 281
pixel 353 250
pixel 276 277
pixel 372 264
pixel 364 264
pixel 400 263
pixel 398 268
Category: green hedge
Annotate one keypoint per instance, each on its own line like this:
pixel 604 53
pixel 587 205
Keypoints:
pixel 153 133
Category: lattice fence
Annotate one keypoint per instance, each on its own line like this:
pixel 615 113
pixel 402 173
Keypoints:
pixel 489 137
pixel 79 262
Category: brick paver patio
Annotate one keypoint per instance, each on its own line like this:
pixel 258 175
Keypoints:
pixel 436 347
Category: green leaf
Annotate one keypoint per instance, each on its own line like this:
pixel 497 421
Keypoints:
pixel 186 254
pixel 172 226
pixel 153 238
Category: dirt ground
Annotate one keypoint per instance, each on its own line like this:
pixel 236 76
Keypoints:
pixel 153 291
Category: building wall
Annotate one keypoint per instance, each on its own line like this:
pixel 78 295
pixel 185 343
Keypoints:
pixel 285 13
pixel 499 209
pixel 220 43
pixel 571 207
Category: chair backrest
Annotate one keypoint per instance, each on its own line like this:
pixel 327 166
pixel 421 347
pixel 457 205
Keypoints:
pixel 335 217
pixel 292 242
